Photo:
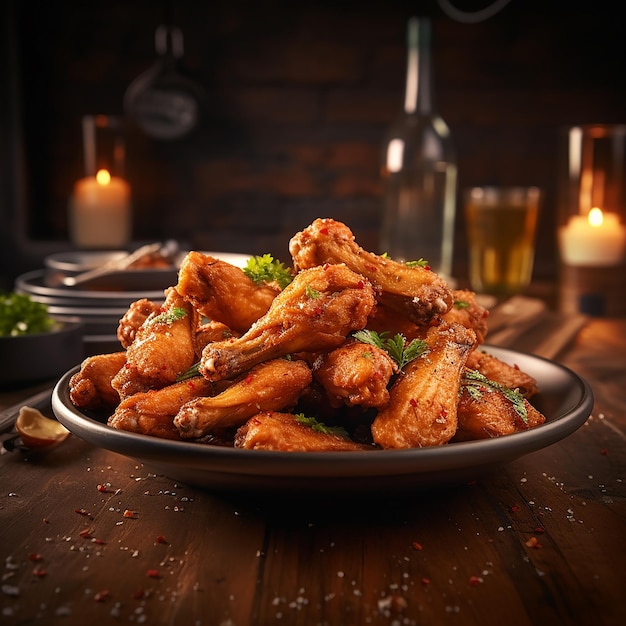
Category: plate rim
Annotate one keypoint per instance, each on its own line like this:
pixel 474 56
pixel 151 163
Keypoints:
pixel 328 465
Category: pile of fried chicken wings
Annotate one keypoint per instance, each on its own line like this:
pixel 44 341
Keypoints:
pixel 355 351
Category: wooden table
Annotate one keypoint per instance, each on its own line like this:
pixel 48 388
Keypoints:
pixel 88 536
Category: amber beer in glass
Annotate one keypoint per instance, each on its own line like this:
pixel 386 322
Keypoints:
pixel 501 224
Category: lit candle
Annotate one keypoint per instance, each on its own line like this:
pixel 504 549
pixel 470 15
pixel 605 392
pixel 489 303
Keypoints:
pixel 596 239
pixel 100 211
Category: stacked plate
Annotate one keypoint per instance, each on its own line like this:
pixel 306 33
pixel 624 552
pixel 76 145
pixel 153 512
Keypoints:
pixel 100 303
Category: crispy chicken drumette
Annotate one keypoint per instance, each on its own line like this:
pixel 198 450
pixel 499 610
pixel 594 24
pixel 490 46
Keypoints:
pixel 162 350
pixel 222 292
pixel 283 431
pixel 271 386
pixel 314 313
pixel 422 410
pixel 90 387
pixel 417 292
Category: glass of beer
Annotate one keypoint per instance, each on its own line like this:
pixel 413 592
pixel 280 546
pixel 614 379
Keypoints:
pixel 501 224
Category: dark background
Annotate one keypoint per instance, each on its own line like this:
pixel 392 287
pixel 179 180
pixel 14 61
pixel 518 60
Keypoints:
pixel 297 97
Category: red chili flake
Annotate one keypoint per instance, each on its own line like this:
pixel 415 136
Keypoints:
pixel 153 573
pixel 604 452
pixel 35 557
pixel 539 530
pixel 103 489
pixel 325 266
pixel 413 402
pixel 425 581
pixel 101 596
pixel 444 413
pixel 474 581
pixel 360 284
pixel 324 231
pixel 85 533
pixel 160 539
pixel 39 571
pixel 46 520
pixel 371 268
pixel 248 379
pixel 417 546
pixel 514 508
pixel 130 514
pixel 533 543
pixel 139 594
pixel 81 511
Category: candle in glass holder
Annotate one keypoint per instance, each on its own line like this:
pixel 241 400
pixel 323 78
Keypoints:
pixel 100 211
pixel 596 239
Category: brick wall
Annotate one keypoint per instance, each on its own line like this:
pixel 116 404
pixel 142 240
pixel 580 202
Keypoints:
pixel 297 98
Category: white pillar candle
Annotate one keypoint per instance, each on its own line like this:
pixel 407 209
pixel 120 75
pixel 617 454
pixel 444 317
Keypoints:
pixel 100 214
pixel 596 239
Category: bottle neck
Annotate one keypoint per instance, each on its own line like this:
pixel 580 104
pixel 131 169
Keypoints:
pixel 418 95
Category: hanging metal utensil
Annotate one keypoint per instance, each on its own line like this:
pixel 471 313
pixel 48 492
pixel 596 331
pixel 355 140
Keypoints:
pixel 162 101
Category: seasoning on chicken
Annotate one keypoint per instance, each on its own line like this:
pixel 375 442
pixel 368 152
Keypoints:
pixel 152 412
pixel 283 431
pixel 422 410
pixel 222 292
pixel 90 387
pixel 486 411
pixel 315 312
pixel 138 312
pixel 163 348
pixel 415 291
pixel 355 374
pixel 509 376
pixel 467 311
pixel 271 386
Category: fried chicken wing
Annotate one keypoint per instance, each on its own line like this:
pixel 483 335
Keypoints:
pixel 222 292
pixel 509 376
pixel 282 431
pixel 467 311
pixel 152 412
pixel 493 415
pixel 162 350
pixel 422 409
pixel 90 387
pixel 134 318
pixel 355 374
pixel 271 386
pixel 313 313
pixel 417 292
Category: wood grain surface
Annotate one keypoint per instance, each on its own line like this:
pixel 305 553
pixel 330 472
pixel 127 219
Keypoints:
pixel 88 536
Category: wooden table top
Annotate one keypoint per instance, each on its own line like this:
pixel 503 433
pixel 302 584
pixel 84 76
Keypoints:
pixel 89 536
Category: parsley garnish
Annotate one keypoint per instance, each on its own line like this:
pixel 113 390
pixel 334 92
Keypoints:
pixel 396 347
pixel 21 315
pixel 193 371
pixel 319 427
pixel 419 263
pixel 476 384
pixel 461 304
pixel 314 294
pixel 265 269
pixel 168 317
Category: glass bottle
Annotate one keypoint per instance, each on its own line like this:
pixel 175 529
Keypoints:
pixel 419 168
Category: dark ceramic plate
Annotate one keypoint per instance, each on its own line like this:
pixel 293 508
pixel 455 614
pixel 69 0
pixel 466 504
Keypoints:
pixel 565 399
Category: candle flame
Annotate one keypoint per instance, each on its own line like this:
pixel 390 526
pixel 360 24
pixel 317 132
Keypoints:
pixel 595 217
pixel 103 177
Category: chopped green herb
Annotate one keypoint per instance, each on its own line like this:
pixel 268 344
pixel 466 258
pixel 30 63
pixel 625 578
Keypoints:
pixel 192 372
pixel 312 293
pixel 461 304
pixel 265 269
pixel 21 315
pixel 419 263
pixel 168 317
pixel 476 384
pixel 320 427
pixel 396 347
